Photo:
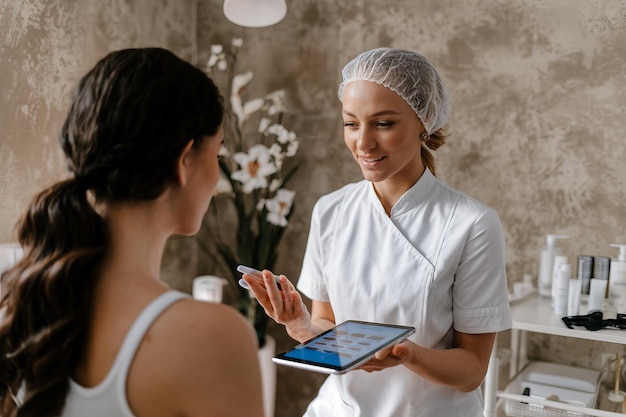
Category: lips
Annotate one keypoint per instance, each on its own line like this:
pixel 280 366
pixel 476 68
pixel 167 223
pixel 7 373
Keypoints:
pixel 372 159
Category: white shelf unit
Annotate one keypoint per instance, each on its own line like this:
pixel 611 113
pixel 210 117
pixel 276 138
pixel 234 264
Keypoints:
pixel 535 315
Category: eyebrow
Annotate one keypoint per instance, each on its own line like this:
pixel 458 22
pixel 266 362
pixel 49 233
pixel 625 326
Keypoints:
pixel 380 113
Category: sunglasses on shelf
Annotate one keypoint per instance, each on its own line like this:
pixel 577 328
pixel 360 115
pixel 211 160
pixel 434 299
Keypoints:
pixel 594 321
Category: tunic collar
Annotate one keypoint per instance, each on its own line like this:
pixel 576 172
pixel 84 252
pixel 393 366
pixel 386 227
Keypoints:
pixel 412 197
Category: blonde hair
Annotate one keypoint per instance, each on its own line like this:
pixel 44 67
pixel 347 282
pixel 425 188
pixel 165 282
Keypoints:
pixel 434 141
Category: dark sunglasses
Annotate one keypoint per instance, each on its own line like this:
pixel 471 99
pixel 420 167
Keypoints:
pixel 593 321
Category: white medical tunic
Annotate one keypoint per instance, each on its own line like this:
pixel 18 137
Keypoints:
pixel 436 263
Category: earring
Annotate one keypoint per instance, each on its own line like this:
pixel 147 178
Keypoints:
pixel 423 136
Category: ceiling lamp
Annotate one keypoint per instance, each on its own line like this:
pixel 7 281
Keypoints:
pixel 255 13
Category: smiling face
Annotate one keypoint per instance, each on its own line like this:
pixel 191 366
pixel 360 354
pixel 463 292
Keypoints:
pixel 382 132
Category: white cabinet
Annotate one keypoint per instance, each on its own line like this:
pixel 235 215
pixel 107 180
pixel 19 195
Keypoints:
pixel 535 315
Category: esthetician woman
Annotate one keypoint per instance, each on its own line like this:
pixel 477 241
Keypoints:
pixel 399 247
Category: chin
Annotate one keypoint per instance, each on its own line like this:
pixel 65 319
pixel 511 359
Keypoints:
pixel 189 229
pixel 372 176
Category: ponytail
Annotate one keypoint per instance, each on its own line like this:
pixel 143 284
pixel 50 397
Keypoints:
pixel 434 142
pixel 46 299
pixel 131 116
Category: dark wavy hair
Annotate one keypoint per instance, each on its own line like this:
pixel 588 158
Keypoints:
pixel 130 118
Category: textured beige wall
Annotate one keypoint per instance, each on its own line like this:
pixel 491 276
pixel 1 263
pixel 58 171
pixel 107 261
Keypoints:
pixel 539 100
pixel 45 46
pixel 539 96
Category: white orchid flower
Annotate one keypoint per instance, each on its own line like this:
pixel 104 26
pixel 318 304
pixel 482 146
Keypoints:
pixel 276 96
pixel 275 184
pixel 275 150
pixel 275 102
pixel 223 186
pixel 237 42
pixel 292 148
pixel 236 104
pixel 284 136
pixel 256 166
pixel 279 207
pixel 212 61
pixel 279 131
pixel 264 124
pixel 243 110
pixel 252 106
pixel 218 57
pixel 224 152
pixel 240 81
pixel 277 153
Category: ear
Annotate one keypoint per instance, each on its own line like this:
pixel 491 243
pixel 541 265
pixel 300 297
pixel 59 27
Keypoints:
pixel 184 164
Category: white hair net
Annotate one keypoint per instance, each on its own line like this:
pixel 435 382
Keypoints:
pixel 407 74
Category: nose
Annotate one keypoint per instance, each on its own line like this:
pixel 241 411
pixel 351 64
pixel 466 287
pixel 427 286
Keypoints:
pixel 365 139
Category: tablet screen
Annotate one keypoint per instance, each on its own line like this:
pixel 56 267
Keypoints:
pixel 345 346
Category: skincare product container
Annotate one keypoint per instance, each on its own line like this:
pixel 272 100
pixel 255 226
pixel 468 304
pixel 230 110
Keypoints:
pixel 556 271
pixel 562 288
pixel 601 266
pixel 617 281
pixel 546 264
pixel 597 291
pixel 573 299
pixel 525 287
pixel 584 272
pixel 522 290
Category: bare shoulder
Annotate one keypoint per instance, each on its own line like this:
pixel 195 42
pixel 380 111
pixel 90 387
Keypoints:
pixel 206 331
pixel 207 356
pixel 203 322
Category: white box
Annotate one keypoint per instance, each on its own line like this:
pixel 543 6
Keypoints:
pixel 572 385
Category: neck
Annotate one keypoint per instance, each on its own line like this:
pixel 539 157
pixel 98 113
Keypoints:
pixel 390 190
pixel 137 240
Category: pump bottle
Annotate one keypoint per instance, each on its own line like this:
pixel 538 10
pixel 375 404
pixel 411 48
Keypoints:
pixel 546 265
pixel 617 281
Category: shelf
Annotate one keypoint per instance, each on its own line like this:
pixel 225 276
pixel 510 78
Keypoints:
pixel 552 408
pixel 536 315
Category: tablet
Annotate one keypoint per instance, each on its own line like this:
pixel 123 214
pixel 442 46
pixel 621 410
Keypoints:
pixel 344 347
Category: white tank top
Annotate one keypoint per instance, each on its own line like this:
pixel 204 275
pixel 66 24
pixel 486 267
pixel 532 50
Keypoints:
pixel 108 399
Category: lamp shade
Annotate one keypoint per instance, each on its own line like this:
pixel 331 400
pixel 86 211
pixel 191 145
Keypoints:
pixel 255 13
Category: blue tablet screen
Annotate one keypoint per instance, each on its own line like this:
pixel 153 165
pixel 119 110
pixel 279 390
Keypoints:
pixel 348 342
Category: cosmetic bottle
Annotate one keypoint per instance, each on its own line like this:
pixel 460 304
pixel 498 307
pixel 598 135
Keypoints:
pixel 556 271
pixel 601 267
pixel 546 264
pixel 525 287
pixel 584 272
pixel 522 290
pixel 573 300
pixel 597 291
pixel 562 289
pixel 617 281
